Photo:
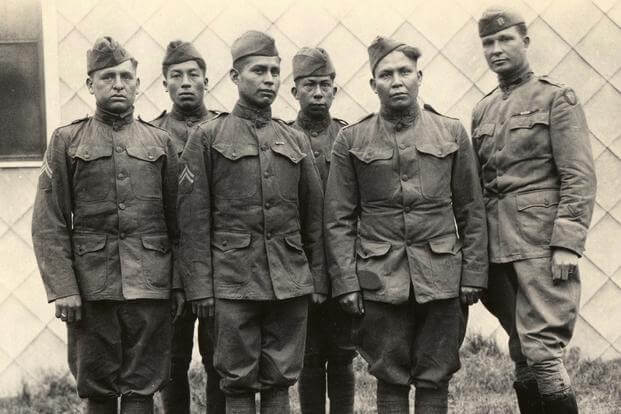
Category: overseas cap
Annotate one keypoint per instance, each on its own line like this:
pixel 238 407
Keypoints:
pixel 496 19
pixel 312 62
pixel 381 47
pixel 253 43
pixel 179 51
pixel 106 52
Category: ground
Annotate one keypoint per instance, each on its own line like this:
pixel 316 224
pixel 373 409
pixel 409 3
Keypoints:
pixel 483 385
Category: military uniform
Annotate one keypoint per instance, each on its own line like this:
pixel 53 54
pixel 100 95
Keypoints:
pixel 405 225
pixel 532 143
pixel 250 212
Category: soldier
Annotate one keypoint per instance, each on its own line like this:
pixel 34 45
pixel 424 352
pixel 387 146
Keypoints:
pixel 103 229
pixel 250 212
pixel 538 179
pixel 328 339
pixel 405 226
pixel 185 79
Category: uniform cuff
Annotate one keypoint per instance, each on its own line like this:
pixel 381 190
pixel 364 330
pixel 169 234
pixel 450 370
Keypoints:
pixel 569 235
pixel 474 279
pixel 342 286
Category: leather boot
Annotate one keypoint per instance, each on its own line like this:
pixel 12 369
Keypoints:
pixel 137 405
pixel 560 404
pixel 392 398
pixel 240 404
pixel 341 388
pixel 431 401
pixel 312 389
pixel 528 397
pixel 275 401
pixel 101 406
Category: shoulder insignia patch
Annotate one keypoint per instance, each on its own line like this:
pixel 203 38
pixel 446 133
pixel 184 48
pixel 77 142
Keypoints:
pixel 570 96
pixel 186 175
pixel 45 169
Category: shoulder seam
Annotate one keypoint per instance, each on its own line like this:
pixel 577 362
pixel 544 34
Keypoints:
pixel 364 118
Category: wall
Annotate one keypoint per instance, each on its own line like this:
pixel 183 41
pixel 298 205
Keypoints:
pixel 576 42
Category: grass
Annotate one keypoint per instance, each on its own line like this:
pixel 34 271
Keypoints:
pixel 483 385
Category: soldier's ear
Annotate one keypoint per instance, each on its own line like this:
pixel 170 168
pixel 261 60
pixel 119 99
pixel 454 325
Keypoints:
pixel 294 92
pixel 373 85
pixel 234 75
pixel 334 90
pixel 526 40
pixel 165 85
pixel 206 82
pixel 89 85
pixel 420 77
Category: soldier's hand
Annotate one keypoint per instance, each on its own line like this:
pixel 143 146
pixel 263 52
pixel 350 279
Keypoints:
pixel 69 309
pixel 564 264
pixel 318 298
pixel 470 295
pixel 203 308
pixel 177 302
pixel 352 303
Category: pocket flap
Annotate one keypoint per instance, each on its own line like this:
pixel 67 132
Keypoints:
pixel 528 121
pixel 484 129
pixel 368 155
pixel 367 249
pixel 292 154
pixel 544 198
pixel 235 152
pixel 295 241
pixel 158 243
pixel 149 153
pixel 449 244
pixel 93 152
pixel 438 151
pixel 226 241
pixel 88 243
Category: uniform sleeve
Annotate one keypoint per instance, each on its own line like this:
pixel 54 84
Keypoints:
pixel 51 222
pixel 571 149
pixel 341 218
pixel 170 205
pixel 194 219
pixel 469 211
pixel 311 215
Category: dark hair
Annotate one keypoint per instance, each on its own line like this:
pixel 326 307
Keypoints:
pixel 522 29
pixel 199 62
pixel 241 63
pixel 410 52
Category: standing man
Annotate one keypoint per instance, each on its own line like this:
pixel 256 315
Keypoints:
pixel 328 337
pixel 250 211
pixel 406 228
pixel 536 166
pixel 185 79
pixel 103 229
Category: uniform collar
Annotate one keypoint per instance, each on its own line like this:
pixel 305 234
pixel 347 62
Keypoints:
pixel 195 115
pixel 401 119
pixel 114 119
pixel 313 124
pixel 513 80
pixel 260 117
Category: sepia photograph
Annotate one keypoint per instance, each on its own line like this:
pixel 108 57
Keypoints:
pixel 310 206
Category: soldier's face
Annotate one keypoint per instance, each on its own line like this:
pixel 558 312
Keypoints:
pixel 115 87
pixel 505 51
pixel 315 94
pixel 396 81
pixel 258 81
pixel 186 84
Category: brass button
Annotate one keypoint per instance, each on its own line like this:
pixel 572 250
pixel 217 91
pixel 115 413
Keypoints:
pixel 120 176
pixel 316 153
pixel 314 133
pixel 407 209
pixel 268 235
pixel 404 177
pixel 224 243
pixel 408 242
pixel 267 205
pixel 266 174
pixel 122 236
pixel 122 206
pixel 189 123
pixel 150 156
pixel 264 147
pixel 402 146
pixel 119 148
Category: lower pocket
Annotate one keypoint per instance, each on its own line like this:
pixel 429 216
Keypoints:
pixel 157 260
pixel 90 261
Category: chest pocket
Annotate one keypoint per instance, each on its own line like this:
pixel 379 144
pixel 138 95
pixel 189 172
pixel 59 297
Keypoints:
pixel 93 177
pixel 235 170
pixel 374 168
pixel 286 169
pixel 145 171
pixel 529 135
pixel 435 166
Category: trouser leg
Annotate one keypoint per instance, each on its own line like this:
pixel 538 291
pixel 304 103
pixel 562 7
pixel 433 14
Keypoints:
pixel 206 339
pixel 312 384
pixel 240 404
pixel 275 401
pixel 341 387
pixel 176 394
pixel 392 398
pixel 431 400
pixel 341 352
pixel 136 405
pixel 553 381
pixel 526 389
pixel 101 406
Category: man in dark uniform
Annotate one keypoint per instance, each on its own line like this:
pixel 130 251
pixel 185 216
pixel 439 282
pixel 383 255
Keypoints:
pixel 250 212
pixel 185 79
pixel 538 179
pixel 405 226
pixel 103 230
pixel 328 339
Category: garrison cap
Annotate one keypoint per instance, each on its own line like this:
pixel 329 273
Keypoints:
pixel 496 19
pixel 311 61
pixel 253 43
pixel 106 52
pixel 179 51
pixel 382 46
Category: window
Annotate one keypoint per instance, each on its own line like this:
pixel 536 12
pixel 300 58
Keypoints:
pixel 22 110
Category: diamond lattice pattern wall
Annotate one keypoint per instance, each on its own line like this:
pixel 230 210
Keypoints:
pixel 574 41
